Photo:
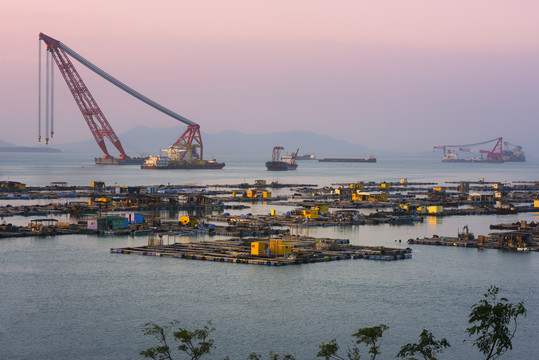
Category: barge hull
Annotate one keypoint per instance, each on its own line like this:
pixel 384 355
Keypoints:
pixel 362 160
pixel 280 166
pixel 186 166
pixel 115 161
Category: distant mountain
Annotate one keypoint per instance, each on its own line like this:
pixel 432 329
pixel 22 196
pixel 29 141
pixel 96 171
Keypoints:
pixel 9 147
pixel 142 140
pixel 39 149
pixel 6 144
pixel 233 142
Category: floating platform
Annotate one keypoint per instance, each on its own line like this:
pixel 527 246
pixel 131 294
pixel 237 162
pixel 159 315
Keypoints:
pixel 500 241
pixel 304 251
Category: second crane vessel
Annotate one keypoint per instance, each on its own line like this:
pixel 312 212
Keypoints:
pixel 501 152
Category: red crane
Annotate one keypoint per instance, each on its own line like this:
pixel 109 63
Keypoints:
pixel 495 153
pixel 189 141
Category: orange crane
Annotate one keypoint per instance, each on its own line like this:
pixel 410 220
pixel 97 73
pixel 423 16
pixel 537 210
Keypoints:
pixel 494 155
pixel 188 142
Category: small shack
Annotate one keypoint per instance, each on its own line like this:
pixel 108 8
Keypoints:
pixel 12 186
pixel 98 184
pixel 515 239
pixel 188 221
pixel 273 247
pixel 134 218
pixel 108 223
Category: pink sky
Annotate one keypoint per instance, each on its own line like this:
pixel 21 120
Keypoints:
pixel 384 74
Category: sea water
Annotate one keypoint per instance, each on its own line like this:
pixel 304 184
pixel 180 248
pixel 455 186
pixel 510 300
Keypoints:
pixel 68 297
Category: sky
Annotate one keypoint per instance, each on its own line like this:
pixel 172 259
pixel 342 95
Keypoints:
pixel 386 74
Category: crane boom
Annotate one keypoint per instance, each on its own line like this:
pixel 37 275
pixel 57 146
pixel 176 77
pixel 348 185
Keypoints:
pixel 124 87
pixel 496 151
pixel 470 145
pixel 115 81
pixel 83 97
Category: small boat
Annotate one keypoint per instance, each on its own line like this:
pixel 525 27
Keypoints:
pixel 141 232
pixel 401 220
pixel 300 157
pixel 277 162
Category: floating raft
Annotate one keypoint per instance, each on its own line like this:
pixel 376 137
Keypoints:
pixel 239 251
pixel 495 242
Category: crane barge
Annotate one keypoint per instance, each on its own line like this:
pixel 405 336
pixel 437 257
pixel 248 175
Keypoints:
pixel 183 154
pixel 501 152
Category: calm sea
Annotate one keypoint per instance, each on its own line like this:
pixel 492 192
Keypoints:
pixel 69 298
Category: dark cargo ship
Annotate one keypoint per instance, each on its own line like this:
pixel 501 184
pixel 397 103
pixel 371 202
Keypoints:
pixel 369 159
pixel 277 162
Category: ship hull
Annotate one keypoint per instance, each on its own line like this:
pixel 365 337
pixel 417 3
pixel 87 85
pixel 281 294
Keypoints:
pixel 362 160
pixel 186 166
pixel 280 166
pixel 455 161
pixel 490 161
pixel 115 161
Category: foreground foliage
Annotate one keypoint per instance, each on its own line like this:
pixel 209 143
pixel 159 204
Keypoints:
pixel 367 336
pixel 427 347
pixel 493 320
pixel 194 344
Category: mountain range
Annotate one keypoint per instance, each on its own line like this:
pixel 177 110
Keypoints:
pixel 142 140
pixel 9 147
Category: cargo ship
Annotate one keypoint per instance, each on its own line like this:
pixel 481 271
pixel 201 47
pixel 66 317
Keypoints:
pixel 277 162
pixel 369 159
pixel 171 159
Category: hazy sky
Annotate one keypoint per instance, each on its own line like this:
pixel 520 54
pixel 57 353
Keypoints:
pixel 385 74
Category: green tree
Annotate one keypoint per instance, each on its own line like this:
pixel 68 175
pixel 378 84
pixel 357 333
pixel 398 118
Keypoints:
pixel 427 347
pixel 329 351
pixel 194 343
pixel 492 319
pixel 367 336
pixel 370 337
pixel 161 351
